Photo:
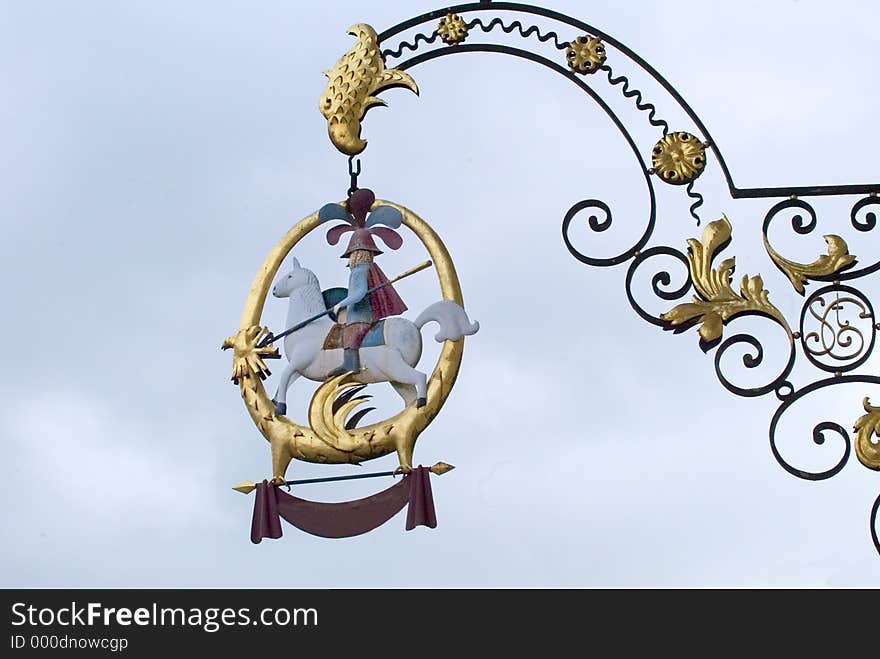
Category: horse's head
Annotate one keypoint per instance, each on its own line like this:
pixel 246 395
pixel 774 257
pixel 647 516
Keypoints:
pixel 296 278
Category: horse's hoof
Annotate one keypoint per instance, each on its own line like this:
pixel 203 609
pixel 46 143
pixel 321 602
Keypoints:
pixel 280 408
pixel 421 402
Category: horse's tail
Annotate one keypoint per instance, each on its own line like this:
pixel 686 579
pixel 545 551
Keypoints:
pixel 453 320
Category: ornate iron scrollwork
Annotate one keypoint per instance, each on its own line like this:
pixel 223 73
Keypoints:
pixel 837 328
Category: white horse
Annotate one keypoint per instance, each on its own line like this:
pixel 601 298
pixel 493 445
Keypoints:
pixel 392 362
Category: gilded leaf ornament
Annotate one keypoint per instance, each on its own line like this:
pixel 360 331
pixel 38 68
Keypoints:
pixel 351 87
pixel 717 303
pixel 838 258
pixel 868 451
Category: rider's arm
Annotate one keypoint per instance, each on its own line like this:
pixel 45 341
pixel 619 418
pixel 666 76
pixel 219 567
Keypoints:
pixel 357 286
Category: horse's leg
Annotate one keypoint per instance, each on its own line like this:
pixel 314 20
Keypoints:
pixel 288 375
pixel 406 391
pixel 395 368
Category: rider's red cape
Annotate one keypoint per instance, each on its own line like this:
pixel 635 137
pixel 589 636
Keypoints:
pixel 384 302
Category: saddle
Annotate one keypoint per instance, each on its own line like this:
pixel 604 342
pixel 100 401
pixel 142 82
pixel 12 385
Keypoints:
pixel 355 335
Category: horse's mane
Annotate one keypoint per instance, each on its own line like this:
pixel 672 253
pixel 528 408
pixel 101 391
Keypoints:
pixel 309 295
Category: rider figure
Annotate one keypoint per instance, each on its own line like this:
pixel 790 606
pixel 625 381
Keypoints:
pixel 363 308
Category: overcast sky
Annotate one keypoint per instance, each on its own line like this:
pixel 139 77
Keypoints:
pixel 152 153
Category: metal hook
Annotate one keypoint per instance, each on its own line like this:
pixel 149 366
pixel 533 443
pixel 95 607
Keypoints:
pixel 353 173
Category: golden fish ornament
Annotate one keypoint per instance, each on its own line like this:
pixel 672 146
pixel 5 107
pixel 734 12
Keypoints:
pixel 351 88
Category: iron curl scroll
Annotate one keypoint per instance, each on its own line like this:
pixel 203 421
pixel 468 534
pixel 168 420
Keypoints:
pixel 875 535
pixel 819 429
pixel 599 225
pixel 751 360
pixel 661 278
pixel 866 205
pixel 825 340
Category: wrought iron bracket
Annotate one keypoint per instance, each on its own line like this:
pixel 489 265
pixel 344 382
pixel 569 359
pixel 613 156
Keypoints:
pixel 837 326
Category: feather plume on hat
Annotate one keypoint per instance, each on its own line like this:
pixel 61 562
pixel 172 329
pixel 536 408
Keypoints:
pixel 354 213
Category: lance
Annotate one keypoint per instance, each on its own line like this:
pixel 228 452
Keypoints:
pixel 271 338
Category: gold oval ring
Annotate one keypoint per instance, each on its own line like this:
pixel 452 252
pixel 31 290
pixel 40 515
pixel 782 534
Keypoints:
pixel 332 443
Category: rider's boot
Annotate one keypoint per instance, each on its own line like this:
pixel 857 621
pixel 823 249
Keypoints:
pixel 351 361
